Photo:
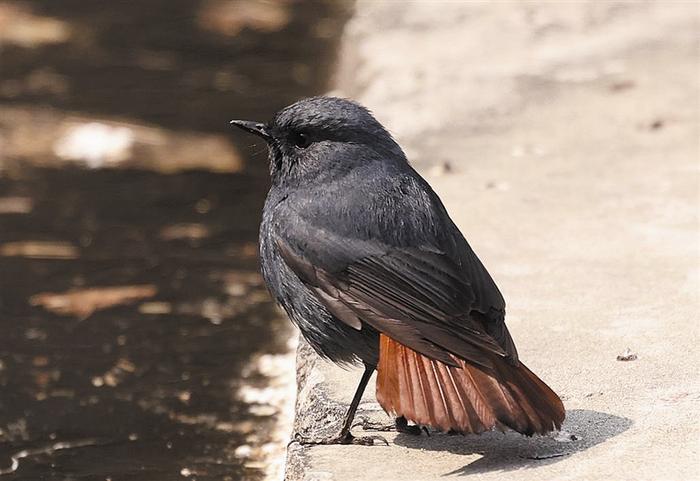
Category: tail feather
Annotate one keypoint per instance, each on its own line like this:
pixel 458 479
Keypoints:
pixel 466 398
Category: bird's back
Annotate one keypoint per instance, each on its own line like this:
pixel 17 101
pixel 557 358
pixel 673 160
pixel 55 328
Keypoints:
pixel 375 207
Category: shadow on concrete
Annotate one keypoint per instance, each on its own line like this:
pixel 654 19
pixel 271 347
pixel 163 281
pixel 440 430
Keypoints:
pixel 509 451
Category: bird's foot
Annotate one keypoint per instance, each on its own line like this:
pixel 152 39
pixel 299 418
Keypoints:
pixel 400 425
pixel 346 438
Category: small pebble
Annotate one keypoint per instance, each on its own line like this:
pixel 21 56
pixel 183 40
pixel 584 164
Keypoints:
pixel 628 355
pixel 656 124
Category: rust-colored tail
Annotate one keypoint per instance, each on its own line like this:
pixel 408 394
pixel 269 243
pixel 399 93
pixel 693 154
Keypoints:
pixel 465 399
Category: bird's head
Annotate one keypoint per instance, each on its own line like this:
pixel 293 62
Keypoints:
pixel 322 136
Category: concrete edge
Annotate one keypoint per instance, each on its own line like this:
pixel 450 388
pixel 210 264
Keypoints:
pixel 315 410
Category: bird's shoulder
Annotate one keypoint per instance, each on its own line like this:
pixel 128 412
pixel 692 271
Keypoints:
pixel 378 202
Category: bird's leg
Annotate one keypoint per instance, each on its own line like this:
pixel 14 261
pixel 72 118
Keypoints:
pixel 400 425
pixel 345 437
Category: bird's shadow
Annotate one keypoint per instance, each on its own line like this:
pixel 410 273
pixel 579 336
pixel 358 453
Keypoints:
pixel 509 451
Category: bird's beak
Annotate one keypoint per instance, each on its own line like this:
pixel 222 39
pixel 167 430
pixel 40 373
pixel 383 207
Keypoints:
pixel 254 128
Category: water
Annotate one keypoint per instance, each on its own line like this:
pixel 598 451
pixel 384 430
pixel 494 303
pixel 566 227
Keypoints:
pixel 142 381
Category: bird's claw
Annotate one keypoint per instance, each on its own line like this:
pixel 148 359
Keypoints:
pixel 341 439
pixel 400 426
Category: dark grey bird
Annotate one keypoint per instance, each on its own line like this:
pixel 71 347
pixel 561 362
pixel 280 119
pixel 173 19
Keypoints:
pixel 364 258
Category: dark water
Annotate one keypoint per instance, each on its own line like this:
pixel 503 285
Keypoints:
pixel 141 390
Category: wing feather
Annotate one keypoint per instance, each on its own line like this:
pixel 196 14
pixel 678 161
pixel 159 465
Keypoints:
pixel 416 296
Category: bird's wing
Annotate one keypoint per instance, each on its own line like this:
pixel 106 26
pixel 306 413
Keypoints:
pixel 416 295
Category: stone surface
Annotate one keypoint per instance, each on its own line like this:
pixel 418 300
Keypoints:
pixel 563 139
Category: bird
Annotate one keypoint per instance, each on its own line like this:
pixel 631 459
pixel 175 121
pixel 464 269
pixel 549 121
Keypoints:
pixel 362 255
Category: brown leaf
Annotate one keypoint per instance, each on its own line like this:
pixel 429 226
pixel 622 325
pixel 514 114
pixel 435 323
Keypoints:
pixel 39 249
pixel 155 308
pixel 184 231
pixel 16 205
pixel 230 18
pixel 82 303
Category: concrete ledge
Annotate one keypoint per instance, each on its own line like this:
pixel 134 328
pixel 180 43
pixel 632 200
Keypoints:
pixel 563 140
pixel 324 394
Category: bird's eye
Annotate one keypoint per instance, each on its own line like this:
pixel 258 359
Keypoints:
pixel 301 140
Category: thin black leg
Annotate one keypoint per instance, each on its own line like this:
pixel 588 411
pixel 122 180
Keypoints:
pixel 344 437
pixel 350 416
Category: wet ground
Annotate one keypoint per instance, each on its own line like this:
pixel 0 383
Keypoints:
pixel 131 308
